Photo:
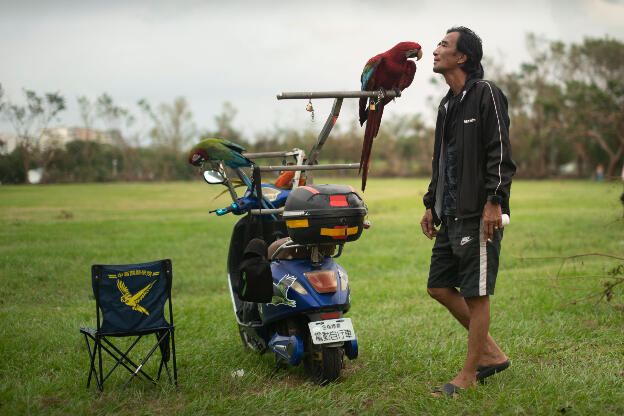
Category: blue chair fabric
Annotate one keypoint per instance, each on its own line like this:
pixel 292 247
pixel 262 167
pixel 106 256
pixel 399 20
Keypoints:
pixel 131 301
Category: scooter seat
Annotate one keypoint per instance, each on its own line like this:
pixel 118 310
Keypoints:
pixel 296 252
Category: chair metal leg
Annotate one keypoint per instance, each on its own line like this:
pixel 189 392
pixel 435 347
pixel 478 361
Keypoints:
pixel 91 360
pixel 160 369
pixel 121 356
pixel 143 362
pixel 119 359
pixel 101 342
pixel 168 372
pixel 98 340
pixel 164 363
pixel 175 371
pixel 92 355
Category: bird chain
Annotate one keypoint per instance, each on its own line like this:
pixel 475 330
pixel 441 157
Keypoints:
pixel 310 109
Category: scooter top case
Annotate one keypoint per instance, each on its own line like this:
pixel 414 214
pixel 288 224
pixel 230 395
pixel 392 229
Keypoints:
pixel 299 288
pixel 324 214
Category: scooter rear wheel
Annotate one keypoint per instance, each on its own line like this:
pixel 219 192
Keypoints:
pixel 324 364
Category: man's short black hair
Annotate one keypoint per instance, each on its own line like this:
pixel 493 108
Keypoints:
pixel 469 44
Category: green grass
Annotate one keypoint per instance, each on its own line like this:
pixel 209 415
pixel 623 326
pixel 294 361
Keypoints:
pixel 564 358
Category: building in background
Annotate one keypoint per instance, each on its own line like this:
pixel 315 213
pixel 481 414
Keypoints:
pixel 60 136
pixel 7 143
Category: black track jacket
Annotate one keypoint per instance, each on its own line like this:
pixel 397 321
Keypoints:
pixel 484 165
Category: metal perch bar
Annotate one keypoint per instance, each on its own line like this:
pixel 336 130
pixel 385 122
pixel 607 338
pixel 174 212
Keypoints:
pixel 310 167
pixel 337 94
pixel 266 155
pixel 265 211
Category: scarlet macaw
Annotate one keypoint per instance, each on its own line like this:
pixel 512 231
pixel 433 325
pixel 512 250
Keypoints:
pixel 388 70
pixel 218 150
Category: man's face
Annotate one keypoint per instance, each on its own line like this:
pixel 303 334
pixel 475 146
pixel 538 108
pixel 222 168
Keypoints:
pixel 445 56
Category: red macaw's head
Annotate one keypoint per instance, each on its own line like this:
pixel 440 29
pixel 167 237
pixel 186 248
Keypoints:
pixel 197 156
pixel 407 50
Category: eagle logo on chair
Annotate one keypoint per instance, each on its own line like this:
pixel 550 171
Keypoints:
pixel 133 300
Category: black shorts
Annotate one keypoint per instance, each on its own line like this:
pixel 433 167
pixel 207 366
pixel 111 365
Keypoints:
pixel 462 258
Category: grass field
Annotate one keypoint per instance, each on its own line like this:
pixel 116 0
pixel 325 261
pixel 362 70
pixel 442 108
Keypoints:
pixel 565 359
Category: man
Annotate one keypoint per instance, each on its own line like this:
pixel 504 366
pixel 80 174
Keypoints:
pixel 468 193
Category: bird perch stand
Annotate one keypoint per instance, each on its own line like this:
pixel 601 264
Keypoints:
pixel 338 96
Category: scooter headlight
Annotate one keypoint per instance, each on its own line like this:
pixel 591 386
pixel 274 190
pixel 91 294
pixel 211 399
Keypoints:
pixel 323 281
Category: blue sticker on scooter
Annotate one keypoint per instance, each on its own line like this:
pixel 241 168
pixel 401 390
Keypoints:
pixel 283 286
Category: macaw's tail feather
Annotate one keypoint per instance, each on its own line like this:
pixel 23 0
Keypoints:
pixel 244 161
pixel 372 128
pixel 237 160
pixel 363 110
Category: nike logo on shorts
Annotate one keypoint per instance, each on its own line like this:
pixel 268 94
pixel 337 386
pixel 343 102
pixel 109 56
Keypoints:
pixel 465 240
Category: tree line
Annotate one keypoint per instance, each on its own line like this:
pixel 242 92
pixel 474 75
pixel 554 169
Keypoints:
pixel 566 105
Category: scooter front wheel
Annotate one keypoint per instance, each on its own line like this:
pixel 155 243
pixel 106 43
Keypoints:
pixel 324 364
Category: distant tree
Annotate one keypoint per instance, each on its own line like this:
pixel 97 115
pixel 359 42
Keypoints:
pixel 172 132
pixel 225 126
pixel 29 121
pixel 12 168
pixel 173 124
pixel 69 164
pixel 568 104
pixel 595 97
pixel 87 116
pixel 116 118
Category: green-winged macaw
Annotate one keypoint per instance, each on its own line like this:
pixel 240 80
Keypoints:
pixel 388 70
pixel 218 150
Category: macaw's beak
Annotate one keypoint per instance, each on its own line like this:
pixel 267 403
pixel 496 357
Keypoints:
pixel 414 53
pixel 195 159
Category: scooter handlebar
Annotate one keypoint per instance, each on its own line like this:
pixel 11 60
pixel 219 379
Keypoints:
pixel 226 210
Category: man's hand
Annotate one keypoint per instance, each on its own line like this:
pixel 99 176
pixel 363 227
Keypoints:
pixel 492 220
pixel 428 226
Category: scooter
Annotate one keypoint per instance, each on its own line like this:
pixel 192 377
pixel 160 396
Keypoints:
pixel 303 317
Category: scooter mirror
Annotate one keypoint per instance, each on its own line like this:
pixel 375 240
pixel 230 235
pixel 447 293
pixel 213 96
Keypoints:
pixel 213 177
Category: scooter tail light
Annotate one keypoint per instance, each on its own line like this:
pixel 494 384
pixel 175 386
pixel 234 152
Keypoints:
pixel 330 315
pixel 323 281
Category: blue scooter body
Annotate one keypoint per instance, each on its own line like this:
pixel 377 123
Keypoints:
pixel 286 273
pixel 283 325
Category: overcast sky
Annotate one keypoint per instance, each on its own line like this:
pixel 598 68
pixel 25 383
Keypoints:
pixel 245 52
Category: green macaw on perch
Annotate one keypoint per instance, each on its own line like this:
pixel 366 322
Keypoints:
pixel 218 150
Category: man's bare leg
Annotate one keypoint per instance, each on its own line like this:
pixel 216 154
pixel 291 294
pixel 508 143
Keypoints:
pixel 479 307
pixel 458 307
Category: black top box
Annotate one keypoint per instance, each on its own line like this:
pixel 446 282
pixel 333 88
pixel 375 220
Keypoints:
pixel 324 214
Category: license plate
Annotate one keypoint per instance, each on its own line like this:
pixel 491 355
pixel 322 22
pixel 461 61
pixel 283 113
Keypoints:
pixel 331 330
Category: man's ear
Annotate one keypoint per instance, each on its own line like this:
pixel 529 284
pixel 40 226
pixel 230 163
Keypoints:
pixel 462 59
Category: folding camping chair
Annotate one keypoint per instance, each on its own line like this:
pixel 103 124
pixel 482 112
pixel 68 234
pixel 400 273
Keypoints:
pixel 131 299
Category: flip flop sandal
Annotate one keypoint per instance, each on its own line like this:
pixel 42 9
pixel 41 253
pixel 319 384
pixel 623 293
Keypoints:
pixel 484 372
pixel 449 390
